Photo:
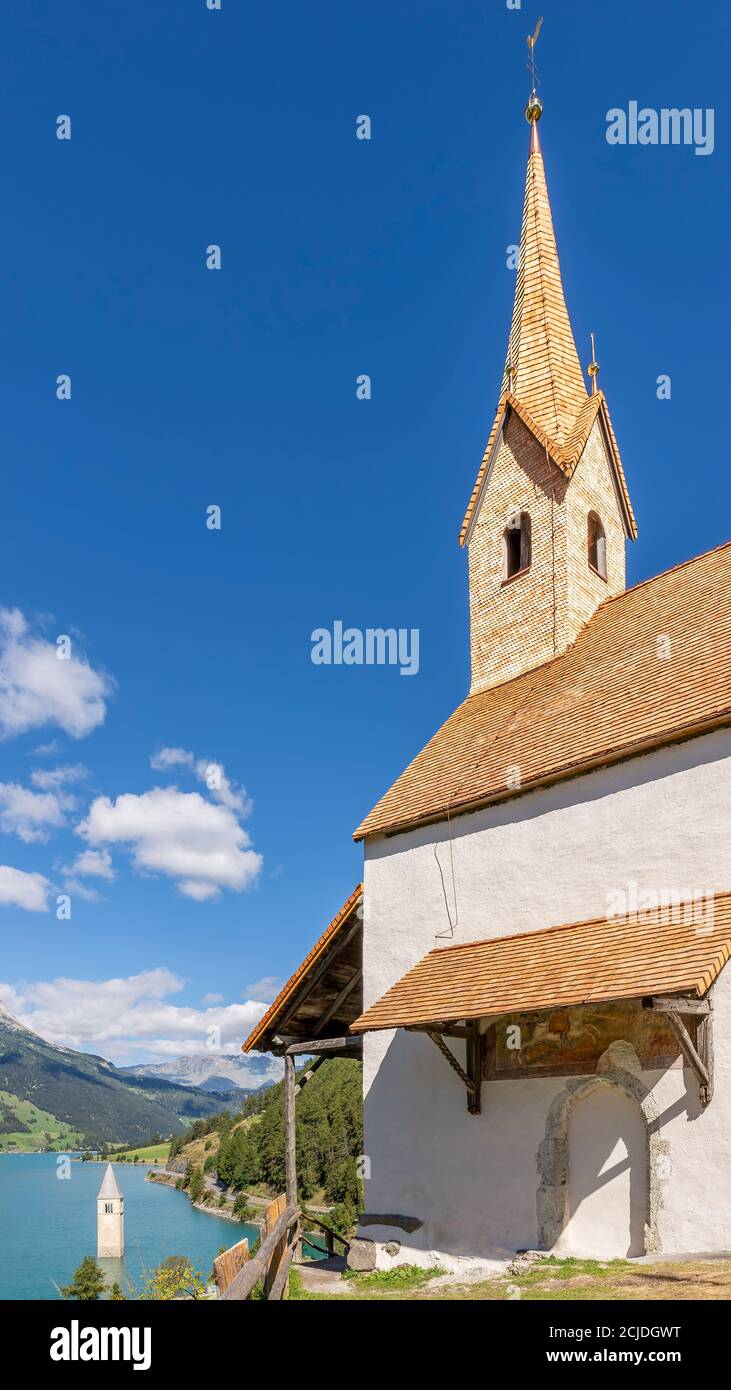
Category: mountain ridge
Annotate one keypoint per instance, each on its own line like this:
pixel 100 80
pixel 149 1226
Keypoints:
pixel 218 1072
pixel 54 1095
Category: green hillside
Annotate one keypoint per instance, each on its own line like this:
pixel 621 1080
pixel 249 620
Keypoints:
pixel 51 1097
pixel 246 1152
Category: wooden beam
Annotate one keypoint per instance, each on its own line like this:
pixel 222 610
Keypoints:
pixel 280 1278
pixel 332 1009
pixel 676 1004
pixel 688 1048
pixel 315 1045
pixel 447 1030
pixel 304 1076
pixel 255 1269
pixel 316 976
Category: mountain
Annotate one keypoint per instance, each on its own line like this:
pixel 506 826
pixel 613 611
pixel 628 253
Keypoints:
pixel 53 1096
pixel 215 1072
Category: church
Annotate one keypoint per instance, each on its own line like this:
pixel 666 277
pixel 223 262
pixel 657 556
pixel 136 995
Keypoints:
pixel 533 968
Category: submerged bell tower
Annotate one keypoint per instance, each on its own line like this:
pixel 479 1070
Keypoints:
pixel 549 514
pixel 110 1218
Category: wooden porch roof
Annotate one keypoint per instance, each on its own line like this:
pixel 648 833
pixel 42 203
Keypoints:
pixel 579 963
pixel 325 994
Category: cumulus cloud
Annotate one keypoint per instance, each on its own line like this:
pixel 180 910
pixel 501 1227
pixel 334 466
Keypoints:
pixel 20 889
pixel 36 688
pixel 266 989
pixel 51 778
pixel 200 845
pixel 171 757
pixel 82 890
pixel 119 1018
pixel 208 771
pixel 212 999
pixel 32 816
pixel 92 863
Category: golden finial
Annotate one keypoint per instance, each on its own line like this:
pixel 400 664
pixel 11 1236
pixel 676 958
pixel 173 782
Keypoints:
pixel 593 367
pixel 534 109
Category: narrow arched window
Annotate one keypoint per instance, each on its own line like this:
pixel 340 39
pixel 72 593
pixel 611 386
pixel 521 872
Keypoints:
pixel 516 545
pixel 597 545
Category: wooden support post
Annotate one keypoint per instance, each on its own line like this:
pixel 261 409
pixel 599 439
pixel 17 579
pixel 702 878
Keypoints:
pixel 699 1059
pixel 290 1144
pixel 470 1077
pixel 474 1068
pixel 705 1047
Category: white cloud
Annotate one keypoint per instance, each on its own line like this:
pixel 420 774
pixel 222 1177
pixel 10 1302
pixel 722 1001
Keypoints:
pixel 51 778
pixel 171 757
pixel 212 999
pixel 81 890
pixel 37 688
pixel 229 794
pixel 32 816
pixel 19 889
pixel 92 863
pixel 208 771
pixel 121 1017
pixel 199 845
pixel 46 750
pixel 265 989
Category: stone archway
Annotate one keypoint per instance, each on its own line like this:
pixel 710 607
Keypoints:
pixel 552 1197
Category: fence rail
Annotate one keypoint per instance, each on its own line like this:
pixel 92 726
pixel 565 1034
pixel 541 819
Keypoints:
pixel 255 1269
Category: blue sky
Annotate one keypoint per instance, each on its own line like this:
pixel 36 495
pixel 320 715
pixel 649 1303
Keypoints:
pixel 236 388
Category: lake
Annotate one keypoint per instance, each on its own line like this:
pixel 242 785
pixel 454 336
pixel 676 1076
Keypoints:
pixel 48 1225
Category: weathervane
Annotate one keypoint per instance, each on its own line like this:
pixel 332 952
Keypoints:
pixel 534 109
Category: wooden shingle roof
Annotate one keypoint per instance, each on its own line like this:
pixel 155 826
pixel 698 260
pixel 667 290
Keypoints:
pixel 579 963
pixel 546 374
pixel 653 665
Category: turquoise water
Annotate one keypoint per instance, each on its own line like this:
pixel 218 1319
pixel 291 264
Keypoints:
pixel 48 1225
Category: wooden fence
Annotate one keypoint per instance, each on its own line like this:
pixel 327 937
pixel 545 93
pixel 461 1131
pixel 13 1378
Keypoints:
pixel 228 1265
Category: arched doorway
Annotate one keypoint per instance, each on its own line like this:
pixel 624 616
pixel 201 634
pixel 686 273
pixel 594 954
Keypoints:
pixel 607 1196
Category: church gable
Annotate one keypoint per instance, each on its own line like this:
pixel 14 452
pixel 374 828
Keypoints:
pixel 513 614
pixel 595 533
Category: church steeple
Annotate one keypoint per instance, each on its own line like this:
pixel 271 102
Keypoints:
pixel 549 513
pixel 542 361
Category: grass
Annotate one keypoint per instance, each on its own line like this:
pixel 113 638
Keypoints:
pixel 549 1280
pixel 402 1277
pixel 42 1129
pixel 153 1153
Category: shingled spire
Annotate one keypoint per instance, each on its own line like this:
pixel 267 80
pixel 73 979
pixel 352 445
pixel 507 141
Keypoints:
pixel 549 513
pixel 542 366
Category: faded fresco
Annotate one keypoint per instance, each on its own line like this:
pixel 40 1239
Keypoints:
pixel 570 1041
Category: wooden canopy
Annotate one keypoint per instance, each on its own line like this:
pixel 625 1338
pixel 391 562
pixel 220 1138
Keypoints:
pixel 626 958
pixel 324 996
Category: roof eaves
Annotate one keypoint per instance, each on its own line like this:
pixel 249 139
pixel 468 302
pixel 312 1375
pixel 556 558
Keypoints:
pixel 287 992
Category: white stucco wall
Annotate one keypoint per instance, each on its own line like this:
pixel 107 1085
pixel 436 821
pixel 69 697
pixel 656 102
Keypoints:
pixel 552 856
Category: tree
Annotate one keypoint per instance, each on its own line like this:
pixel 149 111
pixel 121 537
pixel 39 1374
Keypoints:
pixel 87 1283
pixel 196 1185
pixel 174 1278
pixel 242 1210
